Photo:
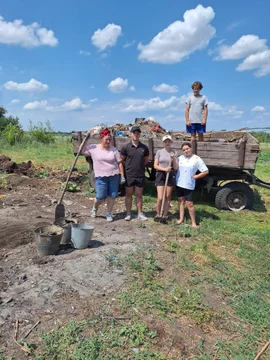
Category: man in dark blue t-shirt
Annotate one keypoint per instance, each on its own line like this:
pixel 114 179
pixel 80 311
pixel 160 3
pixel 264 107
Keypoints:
pixel 135 156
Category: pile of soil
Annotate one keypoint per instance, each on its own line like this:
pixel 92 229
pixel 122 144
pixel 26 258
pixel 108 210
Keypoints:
pixel 9 166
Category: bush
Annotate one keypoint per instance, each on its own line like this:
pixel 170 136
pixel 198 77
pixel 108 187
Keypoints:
pixel 41 133
pixel 13 134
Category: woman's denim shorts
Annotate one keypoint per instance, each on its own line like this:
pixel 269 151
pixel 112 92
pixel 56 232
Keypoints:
pixel 107 186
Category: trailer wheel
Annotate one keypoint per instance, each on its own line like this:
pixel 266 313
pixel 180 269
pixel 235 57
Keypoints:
pixel 242 196
pixel 234 196
pixel 221 198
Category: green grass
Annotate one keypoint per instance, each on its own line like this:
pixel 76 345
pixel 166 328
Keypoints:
pixel 99 339
pixel 58 155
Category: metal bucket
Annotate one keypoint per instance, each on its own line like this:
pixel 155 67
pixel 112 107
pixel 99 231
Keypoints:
pixel 66 226
pixel 48 239
pixel 81 234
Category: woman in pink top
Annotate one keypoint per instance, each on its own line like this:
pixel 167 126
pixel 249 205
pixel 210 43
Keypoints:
pixel 107 167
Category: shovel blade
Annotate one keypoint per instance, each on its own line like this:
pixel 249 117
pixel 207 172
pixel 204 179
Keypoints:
pixel 59 211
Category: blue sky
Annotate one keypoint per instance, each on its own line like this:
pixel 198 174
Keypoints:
pixel 79 64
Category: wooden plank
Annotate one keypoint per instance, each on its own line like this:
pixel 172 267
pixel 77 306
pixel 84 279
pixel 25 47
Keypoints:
pixel 216 155
pixel 252 148
pixel 222 163
pixel 251 157
pixel 241 154
pixel 151 148
pixel 218 146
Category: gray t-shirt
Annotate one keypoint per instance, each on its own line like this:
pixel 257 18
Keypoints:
pixel 164 157
pixel 197 105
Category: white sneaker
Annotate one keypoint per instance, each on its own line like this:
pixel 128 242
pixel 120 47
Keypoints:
pixel 128 217
pixel 109 217
pixel 142 217
pixel 93 213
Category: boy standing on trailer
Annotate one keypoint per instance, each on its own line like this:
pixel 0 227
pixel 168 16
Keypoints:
pixel 196 112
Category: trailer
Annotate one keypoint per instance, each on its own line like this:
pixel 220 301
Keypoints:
pixel 231 157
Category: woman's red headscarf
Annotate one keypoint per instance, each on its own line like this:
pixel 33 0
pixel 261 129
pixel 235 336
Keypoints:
pixel 104 132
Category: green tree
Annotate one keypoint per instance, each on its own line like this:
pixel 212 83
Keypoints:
pixel 12 133
pixel 5 121
pixel 41 133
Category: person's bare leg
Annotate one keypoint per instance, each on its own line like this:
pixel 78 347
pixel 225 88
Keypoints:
pixel 139 198
pixel 110 203
pixel 193 137
pixel 97 203
pixel 181 203
pixel 191 211
pixel 159 199
pixel 167 200
pixel 128 198
pixel 200 137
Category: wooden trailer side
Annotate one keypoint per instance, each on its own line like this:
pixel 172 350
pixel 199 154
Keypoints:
pixel 241 154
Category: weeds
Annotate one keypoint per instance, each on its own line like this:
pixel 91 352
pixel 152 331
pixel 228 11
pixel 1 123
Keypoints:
pixel 97 339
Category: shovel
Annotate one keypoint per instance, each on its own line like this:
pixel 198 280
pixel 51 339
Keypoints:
pixel 60 208
pixel 161 218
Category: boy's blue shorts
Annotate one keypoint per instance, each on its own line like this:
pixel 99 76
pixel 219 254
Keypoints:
pixel 196 128
pixel 107 186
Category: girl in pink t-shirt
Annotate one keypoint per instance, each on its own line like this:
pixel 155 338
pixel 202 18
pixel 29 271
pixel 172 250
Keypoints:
pixel 107 167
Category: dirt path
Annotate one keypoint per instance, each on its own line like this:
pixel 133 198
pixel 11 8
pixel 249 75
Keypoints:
pixel 66 285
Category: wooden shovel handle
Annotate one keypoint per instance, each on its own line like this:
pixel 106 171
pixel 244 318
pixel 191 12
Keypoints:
pixel 165 188
pixel 72 167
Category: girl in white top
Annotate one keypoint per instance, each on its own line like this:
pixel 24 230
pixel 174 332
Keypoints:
pixel 188 165
pixel 165 162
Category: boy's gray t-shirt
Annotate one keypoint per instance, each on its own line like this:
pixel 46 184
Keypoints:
pixel 164 157
pixel 197 105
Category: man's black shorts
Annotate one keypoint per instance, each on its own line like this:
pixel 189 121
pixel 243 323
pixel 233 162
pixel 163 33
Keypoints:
pixel 161 177
pixel 185 193
pixel 138 181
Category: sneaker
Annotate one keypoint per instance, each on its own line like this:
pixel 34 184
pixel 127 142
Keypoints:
pixel 109 217
pixel 128 217
pixel 141 217
pixel 93 213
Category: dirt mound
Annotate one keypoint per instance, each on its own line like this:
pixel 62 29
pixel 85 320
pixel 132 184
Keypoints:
pixel 9 166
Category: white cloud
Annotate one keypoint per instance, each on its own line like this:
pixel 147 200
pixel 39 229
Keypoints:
pixel 103 55
pixel 118 85
pixel 258 109
pixel 36 105
pixel 165 88
pixel 234 25
pixel 181 38
pixel 31 86
pixel 245 46
pixel 15 33
pixel 142 105
pixel 214 106
pixel 106 37
pixel 91 87
pixel 14 101
pixel 233 112
pixel 260 61
pixel 221 41
pixel 93 100
pixel 127 44
pixel 84 53
pixel 132 88
pixel 74 104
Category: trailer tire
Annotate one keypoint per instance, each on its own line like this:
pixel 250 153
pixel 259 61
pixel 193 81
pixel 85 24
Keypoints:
pixel 243 193
pixel 234 196
pixel 221 198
